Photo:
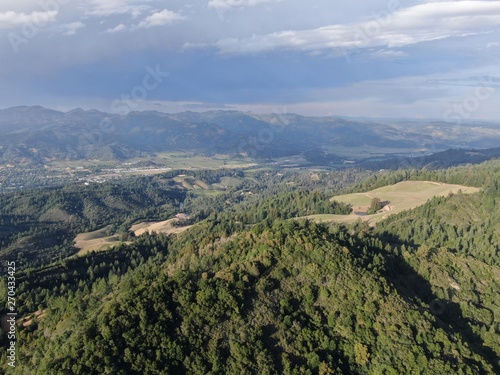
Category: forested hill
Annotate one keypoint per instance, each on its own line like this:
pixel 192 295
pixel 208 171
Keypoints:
pixel 438 160
pixel 37 226
pixel 294 298
pixel 251 290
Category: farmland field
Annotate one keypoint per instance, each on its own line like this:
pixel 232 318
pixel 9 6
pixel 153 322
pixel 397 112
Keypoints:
pixel 184 160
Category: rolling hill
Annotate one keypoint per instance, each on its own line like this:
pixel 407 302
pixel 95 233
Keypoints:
pixel 395 198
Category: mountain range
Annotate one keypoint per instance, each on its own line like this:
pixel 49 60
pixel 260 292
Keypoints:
pixel 34 134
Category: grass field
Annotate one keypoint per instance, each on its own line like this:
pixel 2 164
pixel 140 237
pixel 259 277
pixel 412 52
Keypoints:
pixel 399 197
pixel 207 193
pixel 229 182
pixel 199 187
pixel 97 240
pixel 158 227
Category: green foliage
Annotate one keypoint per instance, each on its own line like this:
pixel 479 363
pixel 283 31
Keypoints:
pixel 296 203
pixel 295 297
pixel 375 205
pixel 37 227
pixel 453 243
pixel 250 290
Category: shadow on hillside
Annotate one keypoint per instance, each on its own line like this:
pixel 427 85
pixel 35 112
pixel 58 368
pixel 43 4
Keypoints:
pixel 416 290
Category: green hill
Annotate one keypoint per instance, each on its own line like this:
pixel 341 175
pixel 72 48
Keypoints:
pixel 294 298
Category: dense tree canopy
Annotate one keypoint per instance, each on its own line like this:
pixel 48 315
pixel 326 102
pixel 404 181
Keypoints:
pixel 250 289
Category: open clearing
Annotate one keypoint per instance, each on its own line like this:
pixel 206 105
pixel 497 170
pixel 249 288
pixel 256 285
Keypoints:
pixel 158 227
pixel 28 319
pixel 398 197
pixel 97 240
pixel 190 183
pixel 200 187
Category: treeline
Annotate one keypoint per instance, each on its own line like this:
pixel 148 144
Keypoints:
pixel 439 160
pixel 272 194
pixel 289 205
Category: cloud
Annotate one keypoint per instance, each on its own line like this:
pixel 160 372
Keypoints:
pixel 390 28
pixel 118 28
pixel 227 4
pixel 103 8
pixel 267 51
pixel 71 28
pixel 389 54
pixel 12 19
pixel 20 5
pixel 162 18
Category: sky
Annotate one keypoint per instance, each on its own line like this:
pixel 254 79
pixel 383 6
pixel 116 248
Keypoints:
pixel 363 58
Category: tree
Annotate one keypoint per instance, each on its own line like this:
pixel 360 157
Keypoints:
pixel 375 206
pixel 361 353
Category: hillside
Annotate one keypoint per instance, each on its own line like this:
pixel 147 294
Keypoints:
pixel 395 198
pixel 248 290
pixel 438 160
pixel 38 226
pixel 293 298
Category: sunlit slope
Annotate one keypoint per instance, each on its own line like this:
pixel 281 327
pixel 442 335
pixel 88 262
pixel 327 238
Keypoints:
pixel 98 240
pixel 396 198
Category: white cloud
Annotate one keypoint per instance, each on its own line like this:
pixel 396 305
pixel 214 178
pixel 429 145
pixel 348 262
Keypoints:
pixel 103 8
pixel 117 29
pixel 20 5
pixel 162 18
pixel 390 28
pixel 71 28
pixel 12 19
pixel 227 4
pixel 391 54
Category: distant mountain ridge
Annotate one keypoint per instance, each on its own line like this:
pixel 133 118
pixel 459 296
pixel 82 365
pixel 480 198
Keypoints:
pixel 35 134
pixel 439 160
